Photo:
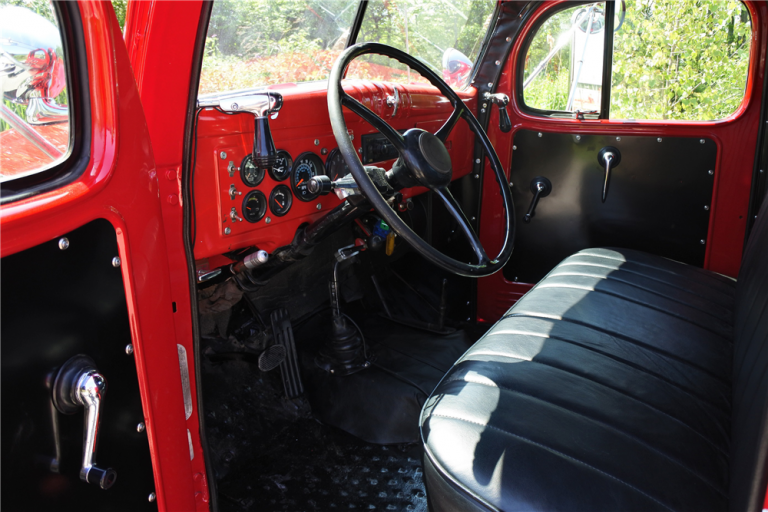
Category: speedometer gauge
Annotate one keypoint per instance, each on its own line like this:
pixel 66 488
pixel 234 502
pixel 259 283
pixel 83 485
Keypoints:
pixel 282 167
pixel 249 173
pixel 335 165
pixel 305 167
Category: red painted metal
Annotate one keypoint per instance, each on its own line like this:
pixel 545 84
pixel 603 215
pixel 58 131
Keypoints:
pixel 120 185
pixel 736 139
pixel 302 121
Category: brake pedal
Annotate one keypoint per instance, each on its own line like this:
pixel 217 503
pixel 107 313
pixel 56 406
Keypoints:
pixel 271 358
pixel 289 367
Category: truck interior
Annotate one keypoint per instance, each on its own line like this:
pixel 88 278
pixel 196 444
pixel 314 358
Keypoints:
pixel 440 256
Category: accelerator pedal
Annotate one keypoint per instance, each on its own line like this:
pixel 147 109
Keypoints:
pixel 271 358
pixel 289 367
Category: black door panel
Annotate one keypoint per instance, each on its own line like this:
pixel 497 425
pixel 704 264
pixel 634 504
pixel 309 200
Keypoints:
pixel 658 199
pixel 57 304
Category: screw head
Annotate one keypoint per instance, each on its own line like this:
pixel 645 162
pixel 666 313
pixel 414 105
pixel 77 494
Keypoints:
pixel 319 206
pixel 116 261
pixel 227 231
pixel 129 349
pixel 317 142
pixel 498 63
pixel 140 427
pixel 477 160
pixel 63 243
pixel 618 139
pixel 473 218
pixel 541 134
pixel 223 155
pixel 324 151
pixel 152 497
pixel 477 176
pixel 710 172
pixel 509 39
pixel 658 140
pixel 490 84
pixel 702 141
pixel 514 148
pixel 482 111
pixel 702 241
pixel 578 137
pixel 268 220
pixel 706 207
pixel 761 171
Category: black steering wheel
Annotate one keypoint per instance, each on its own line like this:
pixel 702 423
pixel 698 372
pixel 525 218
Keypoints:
pixel 423 160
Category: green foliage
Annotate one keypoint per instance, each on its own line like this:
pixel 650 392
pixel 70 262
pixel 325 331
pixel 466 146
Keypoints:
pixel 120 7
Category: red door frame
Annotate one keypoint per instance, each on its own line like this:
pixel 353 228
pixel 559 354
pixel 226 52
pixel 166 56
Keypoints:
pixel 735 136
pixel 120 184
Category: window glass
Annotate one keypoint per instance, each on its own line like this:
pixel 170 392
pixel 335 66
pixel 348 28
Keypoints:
pixel 680 60
pixel 447 36
pixel 564 63
pixel 34 115
pixel 266 42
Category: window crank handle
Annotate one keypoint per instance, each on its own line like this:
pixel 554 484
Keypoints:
pixel 609 158
pixel 541 187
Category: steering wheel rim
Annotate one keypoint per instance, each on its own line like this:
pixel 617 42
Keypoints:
pixel 337 98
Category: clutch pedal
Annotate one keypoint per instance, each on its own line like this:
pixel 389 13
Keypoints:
pixel 289 367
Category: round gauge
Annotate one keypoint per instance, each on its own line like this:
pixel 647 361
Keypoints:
pixel 282 167
pixel 335 166
pixel 254 206
pixel 280 200
pixel 305 167
pixel 249 173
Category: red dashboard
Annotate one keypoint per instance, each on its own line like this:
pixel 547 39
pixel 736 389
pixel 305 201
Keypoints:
pixel 302 126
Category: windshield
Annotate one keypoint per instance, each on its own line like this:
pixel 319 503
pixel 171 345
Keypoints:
pixel 268 42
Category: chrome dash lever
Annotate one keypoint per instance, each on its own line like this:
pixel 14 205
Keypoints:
pixel 608 157
pixel 79 384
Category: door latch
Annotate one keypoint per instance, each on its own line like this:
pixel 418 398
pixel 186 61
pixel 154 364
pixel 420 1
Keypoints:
pixel 79 384
pixel 609 158
pixel 505 124
pixel 541 187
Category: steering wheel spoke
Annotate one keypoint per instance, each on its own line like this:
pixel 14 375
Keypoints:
pixel 447 127
pixel 374 120
pixel 457 213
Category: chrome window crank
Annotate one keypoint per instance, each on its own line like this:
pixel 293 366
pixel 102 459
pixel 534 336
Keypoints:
pixel 609 158
pixel 540 187
pixel 79 384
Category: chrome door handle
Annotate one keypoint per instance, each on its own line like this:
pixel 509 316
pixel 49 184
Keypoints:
pixel 609 158
pixel 79 384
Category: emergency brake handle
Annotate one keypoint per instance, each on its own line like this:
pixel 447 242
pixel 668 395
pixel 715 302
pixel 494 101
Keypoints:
pixel 541 187
pixel 502 100
pixel 79 384
pixel 609 158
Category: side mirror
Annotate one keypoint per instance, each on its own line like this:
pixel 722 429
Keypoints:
pixel 457 68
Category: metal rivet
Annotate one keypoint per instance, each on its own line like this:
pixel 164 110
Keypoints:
pixel 618 139
pixel 268 220
pixel 332 370
pixel 116 262
pixel 227 231
pixel 485 105
pixel 710 172
pixel 702 241
pixel 514 148
pixel 482 111
pixel 223 155
pixel 490 84
pixel 658 140
pixel 578 137
pixel 317 142
pixel 509 39
pixel 473 218
pixel 477 160
pixel 140 427
pixel 324 151
pixel 319 206
pixel 706 207
pixel 477 176
pixel 152 497
pixel 541 134
pixel 360 150
pixel 64 243
pixel 498 63
pixel 702 141
pixel 761 171
pixel 129 349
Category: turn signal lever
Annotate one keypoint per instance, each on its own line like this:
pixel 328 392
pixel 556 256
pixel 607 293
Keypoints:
pixel 505 125
pixel 608 157
pixel 261 105
pixel 541 187
pixel 79 384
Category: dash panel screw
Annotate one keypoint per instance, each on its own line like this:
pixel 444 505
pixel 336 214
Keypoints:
pixel 140 427
pixel 223 155
pixel 116 261
pixel 129 349
pixel 152 497
pixel 63 243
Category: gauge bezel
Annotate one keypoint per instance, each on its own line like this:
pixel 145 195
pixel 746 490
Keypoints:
pixel 290 199
pixel 320 168
pixel 263 210
pixel 274 175
pixel 335 153
pixel 259 178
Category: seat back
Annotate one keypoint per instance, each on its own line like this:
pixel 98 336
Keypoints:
pixel 749 423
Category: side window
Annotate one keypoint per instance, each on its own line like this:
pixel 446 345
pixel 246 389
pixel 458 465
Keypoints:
pixel 671 60
pixel 447 36
pixel 34 116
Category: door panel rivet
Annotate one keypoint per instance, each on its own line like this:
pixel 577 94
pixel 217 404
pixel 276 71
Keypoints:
pixel 140 427
pixel 578 137
pixel 116 261
pixel 710 172
pixel 540 134
pixel 129 349
pixel 63 243
pixel 702 241
pixel 152 497
pixel 514 148
pixel 618 138
pixel 702 141
pixel 477 176
pixel 706 207
pixel 658 140
pixel 509 39
pixel 498 63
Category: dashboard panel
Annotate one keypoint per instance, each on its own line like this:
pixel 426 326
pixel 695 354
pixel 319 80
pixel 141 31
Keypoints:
pixel 235 207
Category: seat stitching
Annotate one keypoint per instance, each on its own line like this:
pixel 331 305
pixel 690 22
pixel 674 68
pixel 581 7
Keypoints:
pixel 618 359
pixel 620 392
pixel 666 312
pixel 599 422
pixel 629 271
pixel 613 277
pixel 556 452
pixel 661 269
pixel 621 337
